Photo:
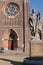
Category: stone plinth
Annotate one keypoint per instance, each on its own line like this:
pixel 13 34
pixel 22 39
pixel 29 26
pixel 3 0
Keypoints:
pixel 36 48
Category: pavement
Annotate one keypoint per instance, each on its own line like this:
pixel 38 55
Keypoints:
pixel 9 60
pixel 12 57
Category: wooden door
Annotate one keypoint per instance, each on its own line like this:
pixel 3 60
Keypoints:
pixel 9 44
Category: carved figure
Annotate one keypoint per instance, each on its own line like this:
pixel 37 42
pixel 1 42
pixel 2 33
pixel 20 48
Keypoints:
pixel 35 24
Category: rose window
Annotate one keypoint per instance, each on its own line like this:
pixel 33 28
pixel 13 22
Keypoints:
pixel 11 9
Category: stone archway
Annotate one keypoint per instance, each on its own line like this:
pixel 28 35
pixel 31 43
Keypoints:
pixel 10 41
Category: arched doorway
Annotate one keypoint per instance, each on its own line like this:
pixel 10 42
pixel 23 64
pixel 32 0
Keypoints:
pixel 10 40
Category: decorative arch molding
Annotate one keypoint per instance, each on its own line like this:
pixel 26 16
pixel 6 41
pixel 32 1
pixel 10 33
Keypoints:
pixel 10 40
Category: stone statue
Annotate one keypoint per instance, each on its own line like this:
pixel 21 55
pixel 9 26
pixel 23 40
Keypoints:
pixel 35 25
pixel 39 26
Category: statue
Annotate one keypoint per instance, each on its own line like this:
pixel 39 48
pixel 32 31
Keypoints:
pixel 35 25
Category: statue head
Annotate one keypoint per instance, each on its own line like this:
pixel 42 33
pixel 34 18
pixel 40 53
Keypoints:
pixel 39 12
pixel 33 11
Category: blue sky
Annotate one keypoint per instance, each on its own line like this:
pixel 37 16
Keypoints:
pixel 37 4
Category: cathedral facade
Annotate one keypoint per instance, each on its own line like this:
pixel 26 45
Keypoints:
pixel 14 27
pixel 15 33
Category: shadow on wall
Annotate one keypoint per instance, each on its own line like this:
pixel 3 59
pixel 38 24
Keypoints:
pixel 12 62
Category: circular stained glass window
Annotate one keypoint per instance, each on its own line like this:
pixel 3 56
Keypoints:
pixel 11 9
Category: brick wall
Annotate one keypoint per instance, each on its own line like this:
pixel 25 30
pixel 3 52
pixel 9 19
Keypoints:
pixel 16 23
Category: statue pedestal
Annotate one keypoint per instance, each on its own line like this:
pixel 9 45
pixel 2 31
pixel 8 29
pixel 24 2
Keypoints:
pixel 36 48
